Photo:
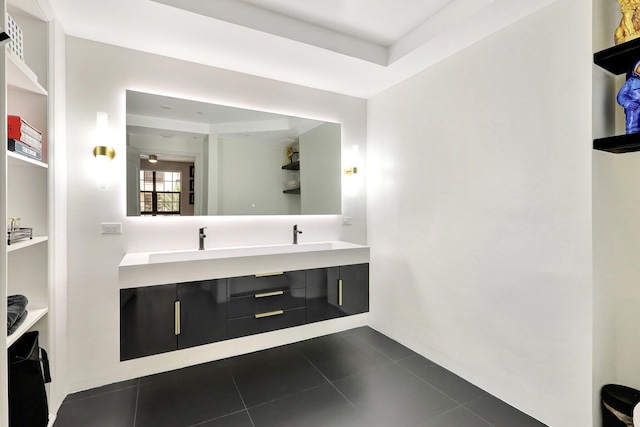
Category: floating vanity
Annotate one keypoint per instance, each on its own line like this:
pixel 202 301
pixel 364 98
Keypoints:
pixel 172 300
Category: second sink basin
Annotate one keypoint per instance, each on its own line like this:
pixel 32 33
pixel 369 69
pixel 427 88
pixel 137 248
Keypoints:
pixel 240 251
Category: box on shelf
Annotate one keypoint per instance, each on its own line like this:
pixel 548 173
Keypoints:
pixel 23 149
pixel 15 45
pixel 20 130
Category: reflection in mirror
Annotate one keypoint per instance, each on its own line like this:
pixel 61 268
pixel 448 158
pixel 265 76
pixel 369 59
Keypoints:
pixel 192 158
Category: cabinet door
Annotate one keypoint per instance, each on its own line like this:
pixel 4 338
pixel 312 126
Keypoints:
pixel 147 321
pixel 203 312
pixel 322 294
pixel 354 289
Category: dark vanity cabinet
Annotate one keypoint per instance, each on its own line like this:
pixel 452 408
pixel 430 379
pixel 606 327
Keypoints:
pixel 264 303
pixel 161 318
pixel 353 289
pixel 157 319
pixel 147 321
pixel 337 291
pixel 203 312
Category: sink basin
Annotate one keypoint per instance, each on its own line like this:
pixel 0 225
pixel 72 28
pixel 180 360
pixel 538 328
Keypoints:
pixel 235 252
pixel 148 268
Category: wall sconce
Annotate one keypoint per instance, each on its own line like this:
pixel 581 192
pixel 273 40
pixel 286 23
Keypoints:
pixel 102 151
pixel 352 160
pixel 153 158
pixel 351 170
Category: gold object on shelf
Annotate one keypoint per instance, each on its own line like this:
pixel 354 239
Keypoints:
pixel 629 27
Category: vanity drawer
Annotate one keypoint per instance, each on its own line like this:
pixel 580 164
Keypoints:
pixel 263 302
pixel 264 322
pixel 251 285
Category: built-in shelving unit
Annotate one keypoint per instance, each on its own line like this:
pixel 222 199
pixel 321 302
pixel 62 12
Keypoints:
pixel 25 264
pixel 618 60
pixel 293 166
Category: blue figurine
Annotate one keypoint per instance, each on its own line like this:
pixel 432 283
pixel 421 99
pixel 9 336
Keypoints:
pixel 629 98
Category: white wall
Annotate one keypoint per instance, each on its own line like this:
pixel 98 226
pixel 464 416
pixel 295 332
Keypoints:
pixel 320 169
pixel 480 213
pixel 606 17
pixel 97 77
pixel 251 178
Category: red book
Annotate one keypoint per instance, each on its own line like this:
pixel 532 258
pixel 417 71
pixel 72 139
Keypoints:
pixel 22 131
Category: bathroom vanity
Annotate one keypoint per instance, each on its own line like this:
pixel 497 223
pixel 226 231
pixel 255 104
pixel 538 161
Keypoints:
pixel 175 300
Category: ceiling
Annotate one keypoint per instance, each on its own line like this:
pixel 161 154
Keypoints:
pixel 174 118
pixel 353 47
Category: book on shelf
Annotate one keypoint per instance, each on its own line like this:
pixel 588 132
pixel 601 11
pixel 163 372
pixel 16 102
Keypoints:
pixel 20 130
pixel 24 149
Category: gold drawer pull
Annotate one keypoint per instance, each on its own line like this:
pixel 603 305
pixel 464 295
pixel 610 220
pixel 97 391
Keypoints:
pixel 340 292
pixel 269 294
pixel 268 314
pixel 177 311
pixel 273 273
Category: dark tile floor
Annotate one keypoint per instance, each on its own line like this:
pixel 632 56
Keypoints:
pixel 349 379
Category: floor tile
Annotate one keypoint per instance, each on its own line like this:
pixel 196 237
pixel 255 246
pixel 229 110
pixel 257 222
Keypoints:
pixel 101 390
pixel 338 357
pixel 319 407
pixel 187 396
pixel 500 414
pixel 355 378
pixel 238 419
pixel 458 389
pixel 392 396
pixel 382 343
pixel 459 417
pixel 116 408
pixel 272 374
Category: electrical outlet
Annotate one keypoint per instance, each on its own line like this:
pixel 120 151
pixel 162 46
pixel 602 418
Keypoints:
pixel 346 220
pixel 111 228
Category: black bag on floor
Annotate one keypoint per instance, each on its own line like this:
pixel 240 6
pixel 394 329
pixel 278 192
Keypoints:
pixel 27 396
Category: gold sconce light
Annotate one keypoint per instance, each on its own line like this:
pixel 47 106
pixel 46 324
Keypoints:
pixel 101 150
pixel 153 158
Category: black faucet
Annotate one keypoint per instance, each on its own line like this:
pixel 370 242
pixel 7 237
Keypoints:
pixel 295 234
pixel 201 235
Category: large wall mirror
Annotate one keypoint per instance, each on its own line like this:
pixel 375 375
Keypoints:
pixel 192 158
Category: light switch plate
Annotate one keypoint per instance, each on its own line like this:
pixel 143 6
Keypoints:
pixel 346 220
pixel 111 228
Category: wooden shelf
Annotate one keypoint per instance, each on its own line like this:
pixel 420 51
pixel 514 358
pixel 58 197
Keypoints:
pixel 619 59
pixel 618 144
pixel 293 166
pixel 292 191
pixel 33 315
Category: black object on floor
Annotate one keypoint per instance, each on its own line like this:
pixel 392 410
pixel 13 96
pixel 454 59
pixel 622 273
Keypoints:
pixel 27 395
pixel 618 402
